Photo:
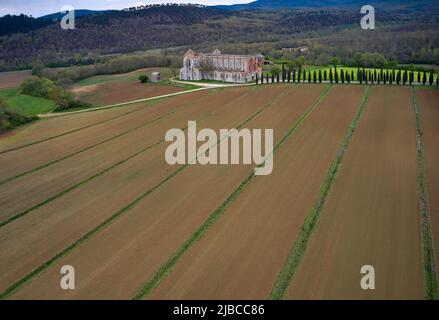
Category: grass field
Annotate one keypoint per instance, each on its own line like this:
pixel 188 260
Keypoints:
pixel 25 104
pixel 93 190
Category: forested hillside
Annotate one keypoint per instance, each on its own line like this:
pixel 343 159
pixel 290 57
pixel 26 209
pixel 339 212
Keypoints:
pixel 254 31
pixel 15 24
pixel 393 5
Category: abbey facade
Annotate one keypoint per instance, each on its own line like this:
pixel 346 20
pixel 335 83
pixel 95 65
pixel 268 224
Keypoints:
pixel 221 67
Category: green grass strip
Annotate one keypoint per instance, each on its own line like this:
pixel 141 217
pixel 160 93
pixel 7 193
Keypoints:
pixel 39 270
pixel 296 255
pixel 167 267
pixel 430 276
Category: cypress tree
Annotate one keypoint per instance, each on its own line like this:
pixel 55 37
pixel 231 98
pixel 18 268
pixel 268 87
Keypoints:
pixel 352 75
pixel 320 76
pixel 424 78
pixel 294 75
pixel 419 77
pixel 431 79
pixel 272 78
pixel 336 75
pixel 325 75
pixel 378 78
pixel 299 73
pixel 330 75
pixel 277 78
pixel 315 76
pixel 342 75
pixel 404 78
pixel 382 75
pixel 304 75
pixel 266 78
pixel 309 77
pixel 360 77
pixel 348 77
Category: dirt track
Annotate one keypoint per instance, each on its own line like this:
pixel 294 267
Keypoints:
pixel 429 106
pixel 371 216
pixel 242 255
pixel 127 182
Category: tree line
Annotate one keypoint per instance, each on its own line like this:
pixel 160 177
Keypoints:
pixel 46 88
pixel 10 120
pixel 334 75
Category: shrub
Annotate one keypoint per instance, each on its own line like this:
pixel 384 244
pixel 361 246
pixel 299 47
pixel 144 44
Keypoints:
pixel 38 87
pixel 9 120
pixel 143 78
pixel 67 100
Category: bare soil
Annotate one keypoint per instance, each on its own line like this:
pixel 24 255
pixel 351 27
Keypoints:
pixel 13 79
pixel 50 227
pixel 371 216
pixel 244 252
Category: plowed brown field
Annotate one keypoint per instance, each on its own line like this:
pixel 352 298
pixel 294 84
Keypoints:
pixel 29 190
pixel 127 182
pixel 94 191
pixel 429 106
pixel 26 159
pixel 242 255
pixel 371 216
pixel 139 232
pixel 13 79
pixel 111 93
pixel 54 127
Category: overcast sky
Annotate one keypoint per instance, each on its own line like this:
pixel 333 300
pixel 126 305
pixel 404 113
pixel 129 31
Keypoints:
pixel 39 8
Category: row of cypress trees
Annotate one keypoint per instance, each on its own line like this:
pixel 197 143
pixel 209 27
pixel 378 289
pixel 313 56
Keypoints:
pixel 344 76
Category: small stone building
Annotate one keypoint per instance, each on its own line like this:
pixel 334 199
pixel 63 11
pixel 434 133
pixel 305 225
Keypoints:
pixel 155 77
pixel 221 67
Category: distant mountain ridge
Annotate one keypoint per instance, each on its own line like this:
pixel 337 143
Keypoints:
pixel 339 4
pixel 78 13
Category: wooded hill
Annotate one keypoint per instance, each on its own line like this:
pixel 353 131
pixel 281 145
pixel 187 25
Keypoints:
pixel 193 26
